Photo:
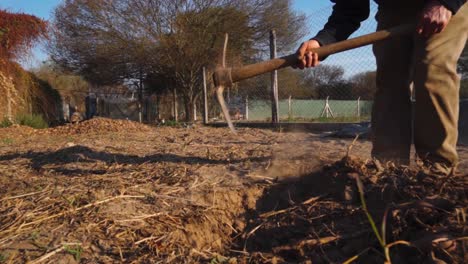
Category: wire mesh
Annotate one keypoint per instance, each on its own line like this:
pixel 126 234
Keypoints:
pixel 340 90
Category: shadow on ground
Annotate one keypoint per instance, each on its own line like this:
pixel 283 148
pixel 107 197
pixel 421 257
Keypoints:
pixel 82 154
pixel 318 217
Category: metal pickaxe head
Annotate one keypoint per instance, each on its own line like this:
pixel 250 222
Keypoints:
pixel 222 79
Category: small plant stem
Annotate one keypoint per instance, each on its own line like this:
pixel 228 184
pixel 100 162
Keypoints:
pixel 369 216
pixel 379 236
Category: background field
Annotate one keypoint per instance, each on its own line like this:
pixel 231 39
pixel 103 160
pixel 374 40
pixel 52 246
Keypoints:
pixel 309 109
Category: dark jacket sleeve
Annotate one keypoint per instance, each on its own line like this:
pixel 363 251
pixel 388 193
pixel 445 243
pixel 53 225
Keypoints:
pixel 346 18
pixel 453 5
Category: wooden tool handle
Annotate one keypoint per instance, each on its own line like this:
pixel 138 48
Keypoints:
pixel 249 71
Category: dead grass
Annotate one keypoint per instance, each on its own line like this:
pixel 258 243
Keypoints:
pixel 167 194
pixel 420 218
pixel 197 195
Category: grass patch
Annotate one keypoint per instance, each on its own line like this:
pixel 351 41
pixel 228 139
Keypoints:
pixel 339 119
pixel 34 121
pixel 7 141
pixel 5 123
pixel 171 123
pixel 75 250
pixel 3 258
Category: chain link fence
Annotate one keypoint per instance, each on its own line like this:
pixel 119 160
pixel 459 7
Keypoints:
pixel 339 90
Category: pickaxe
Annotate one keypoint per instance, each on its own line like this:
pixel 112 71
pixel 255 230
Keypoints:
pixel 225 77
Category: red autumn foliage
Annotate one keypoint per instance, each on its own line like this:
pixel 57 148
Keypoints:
pixel 18 32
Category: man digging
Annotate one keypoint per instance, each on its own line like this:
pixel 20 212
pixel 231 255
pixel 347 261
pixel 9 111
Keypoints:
pixel 426 59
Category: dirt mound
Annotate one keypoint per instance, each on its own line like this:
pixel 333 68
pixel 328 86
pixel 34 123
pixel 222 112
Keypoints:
pixel 99 125
pixel 92 126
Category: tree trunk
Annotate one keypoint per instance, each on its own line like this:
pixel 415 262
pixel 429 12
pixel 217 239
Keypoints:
pixel 140 98
pixel 205 98
pixel 158 109
pixel 189 109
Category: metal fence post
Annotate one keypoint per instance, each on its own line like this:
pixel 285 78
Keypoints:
pixel 246 108
pixel 327 111
pixel 274 81
pixel 359 107
pixel 205 98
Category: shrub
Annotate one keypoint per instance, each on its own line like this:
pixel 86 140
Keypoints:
pixel 18 32
pixel 171 123
pixel 34 121
pixel 6 122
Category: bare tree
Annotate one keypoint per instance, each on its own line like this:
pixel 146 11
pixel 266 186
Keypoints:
pixel 111 42
pixel 364 85
pixel 324 75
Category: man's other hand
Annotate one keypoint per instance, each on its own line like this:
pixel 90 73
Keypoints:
pixel 306 57
pixel 435 18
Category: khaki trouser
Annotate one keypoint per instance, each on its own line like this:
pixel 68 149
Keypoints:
pixel 430 66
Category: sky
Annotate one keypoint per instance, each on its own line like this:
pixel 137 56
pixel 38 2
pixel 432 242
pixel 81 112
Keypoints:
pixel 317 12
pixel 354 61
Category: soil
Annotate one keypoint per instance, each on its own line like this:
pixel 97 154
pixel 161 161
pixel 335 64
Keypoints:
pixel 107 191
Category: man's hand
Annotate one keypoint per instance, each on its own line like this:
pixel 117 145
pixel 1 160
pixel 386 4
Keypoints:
pixel 435 18
pixel 307 58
